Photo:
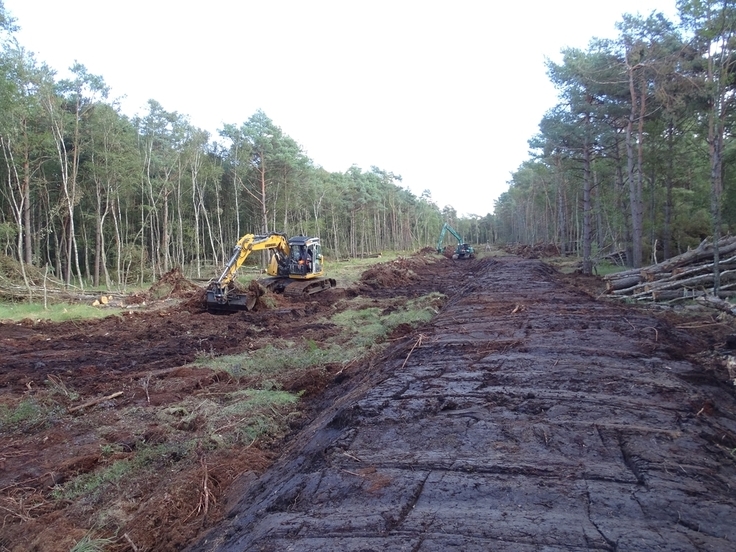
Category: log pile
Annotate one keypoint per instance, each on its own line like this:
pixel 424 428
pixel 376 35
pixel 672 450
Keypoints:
pixel 686 276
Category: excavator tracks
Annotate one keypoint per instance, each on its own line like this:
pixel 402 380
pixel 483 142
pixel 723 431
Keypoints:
pixel 298 289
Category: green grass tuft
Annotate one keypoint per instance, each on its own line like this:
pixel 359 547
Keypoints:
pixel 27 415
pixel 90 543
pixel 93 485
pixel 269 361
pixel 369 326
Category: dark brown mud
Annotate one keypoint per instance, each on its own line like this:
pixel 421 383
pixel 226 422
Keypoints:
pixel 526 416
pixel 81 398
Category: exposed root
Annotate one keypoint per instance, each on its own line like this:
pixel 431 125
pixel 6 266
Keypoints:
pixel 20 506
pixel 417 344
pixel 206 497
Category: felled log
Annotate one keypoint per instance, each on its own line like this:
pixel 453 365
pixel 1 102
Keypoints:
pixel 667 294
pixel 622 283
pixel 654 276
pixel 624 274
pixel 674 295
pixel 704 252
pixel 717 303
pixel 685 276
pixel 704 280
pixel 685 271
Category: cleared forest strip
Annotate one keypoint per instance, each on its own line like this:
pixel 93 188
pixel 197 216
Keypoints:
pixel 513 425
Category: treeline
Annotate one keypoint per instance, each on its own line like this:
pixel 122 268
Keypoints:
pixel 100 198
pixel 638 156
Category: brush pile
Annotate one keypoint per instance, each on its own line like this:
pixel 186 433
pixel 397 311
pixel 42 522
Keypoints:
pixel 686 276
pixel 533 251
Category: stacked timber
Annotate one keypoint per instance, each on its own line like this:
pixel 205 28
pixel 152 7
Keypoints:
pixel 686 276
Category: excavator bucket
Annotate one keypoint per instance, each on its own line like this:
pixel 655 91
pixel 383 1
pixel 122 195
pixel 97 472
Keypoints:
pixel 220 300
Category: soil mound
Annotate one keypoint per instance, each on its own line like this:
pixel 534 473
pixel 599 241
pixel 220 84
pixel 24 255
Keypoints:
pixel 448 251
pixel 173 284
pixel 394 273
pixel 196 301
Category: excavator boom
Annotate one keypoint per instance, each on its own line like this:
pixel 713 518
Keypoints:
pixel 245 246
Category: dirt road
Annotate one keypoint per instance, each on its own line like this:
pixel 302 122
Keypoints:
pixel 526 416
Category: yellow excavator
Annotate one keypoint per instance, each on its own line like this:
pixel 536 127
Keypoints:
pixel 295 268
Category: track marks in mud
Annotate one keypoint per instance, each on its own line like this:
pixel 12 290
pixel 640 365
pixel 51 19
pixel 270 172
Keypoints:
pixel 529 417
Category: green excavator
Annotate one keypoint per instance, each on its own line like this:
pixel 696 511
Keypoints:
pixel 462 251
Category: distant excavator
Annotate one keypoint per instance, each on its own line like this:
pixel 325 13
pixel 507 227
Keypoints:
pixel 295 268
pixel 462 251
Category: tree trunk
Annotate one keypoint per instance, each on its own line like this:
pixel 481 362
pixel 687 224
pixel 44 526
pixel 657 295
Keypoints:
pixel 561 215
pixel 587 239
pixel 98 238
pixel 669 201
pixel 264 209
pixel 635 195
pixel 27 239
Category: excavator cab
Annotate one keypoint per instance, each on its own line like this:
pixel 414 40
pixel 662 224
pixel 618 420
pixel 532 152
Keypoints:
pixel 305 260
pixel 464 251
pixel 300 263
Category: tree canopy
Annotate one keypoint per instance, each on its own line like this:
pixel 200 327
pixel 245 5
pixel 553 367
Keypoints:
pixel 101 198
pixel 634 157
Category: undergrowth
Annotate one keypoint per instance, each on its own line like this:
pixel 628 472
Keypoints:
pixel 270 361
pixel 53 312
pixel 370 325
pixel 363 331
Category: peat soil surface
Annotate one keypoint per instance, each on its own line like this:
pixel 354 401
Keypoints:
pixel 80 398
pixel 526 416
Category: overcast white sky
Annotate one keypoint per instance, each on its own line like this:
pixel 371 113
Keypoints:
pixel 445 94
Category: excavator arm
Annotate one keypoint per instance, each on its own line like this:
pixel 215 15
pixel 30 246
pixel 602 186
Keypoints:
pixel 245 246
pixel 440 247
pixel 452 231
pixel 221 295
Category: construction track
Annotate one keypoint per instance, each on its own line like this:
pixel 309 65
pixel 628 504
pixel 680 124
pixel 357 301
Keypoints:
pixel 526 416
